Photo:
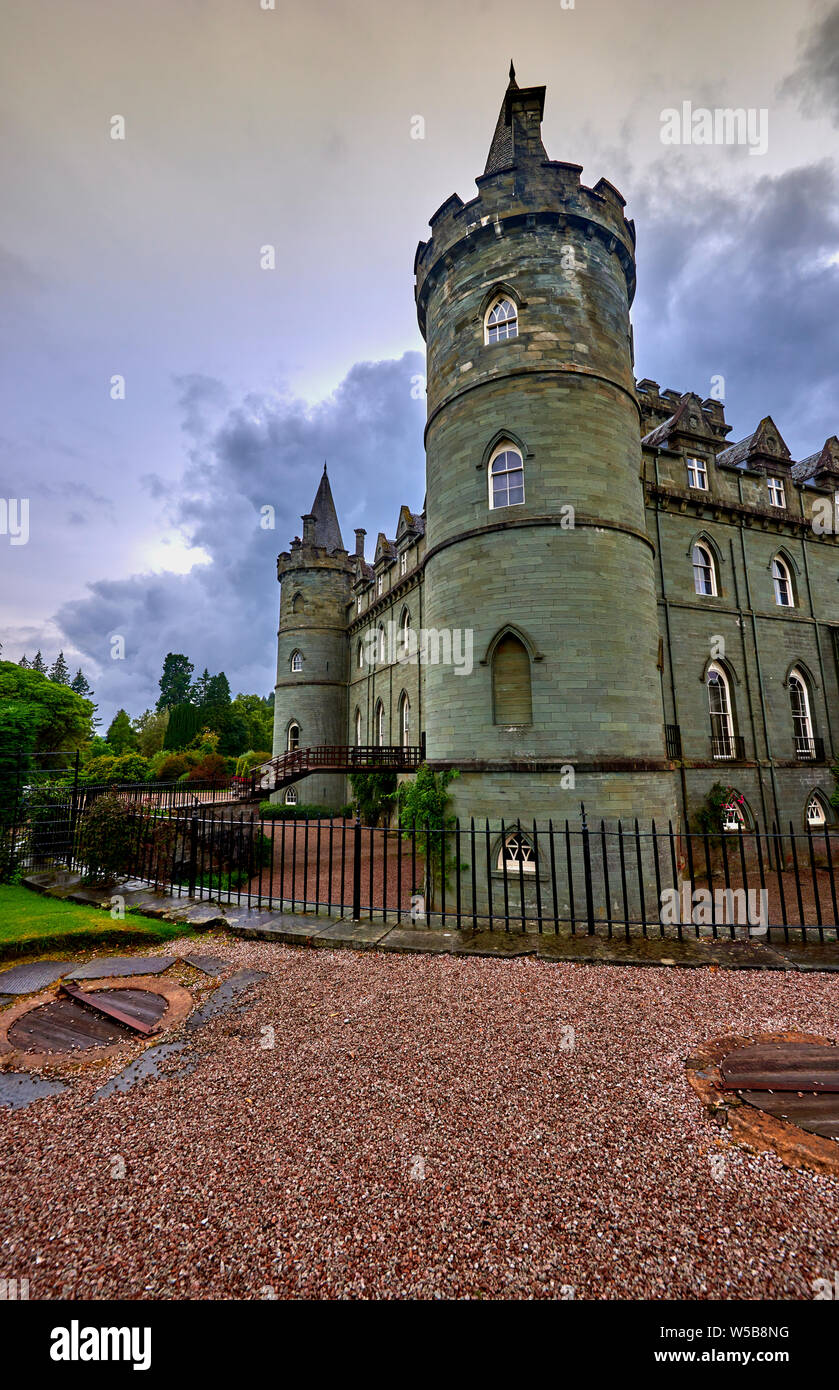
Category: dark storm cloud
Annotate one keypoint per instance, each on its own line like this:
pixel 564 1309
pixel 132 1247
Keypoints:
pixel 264 452
pixel 815 79
pixel 743 286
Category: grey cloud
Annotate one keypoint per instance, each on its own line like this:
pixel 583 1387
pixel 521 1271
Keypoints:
pixel 815 79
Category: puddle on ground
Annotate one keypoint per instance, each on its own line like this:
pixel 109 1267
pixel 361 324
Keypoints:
pixel 18 1089
pixel 224 996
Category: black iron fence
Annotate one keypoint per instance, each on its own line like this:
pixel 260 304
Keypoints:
pixel 562 877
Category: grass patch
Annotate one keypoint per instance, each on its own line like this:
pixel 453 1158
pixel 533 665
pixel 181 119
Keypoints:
pixel 33 922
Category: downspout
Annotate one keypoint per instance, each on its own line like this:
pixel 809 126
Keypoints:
pixel 825 702
pixel 759 673
pixel 666 602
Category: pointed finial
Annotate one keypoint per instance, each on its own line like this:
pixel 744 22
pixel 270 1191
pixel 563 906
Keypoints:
pixel 512 71
pixel 324 465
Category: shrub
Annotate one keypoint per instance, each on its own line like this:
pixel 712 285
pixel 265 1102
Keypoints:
pixel 131 767
pixel 211 768
pixel 271 810
pixel 107 833
pixel 374 792
pixel 98 769
pixel 171 767
pixel 422 803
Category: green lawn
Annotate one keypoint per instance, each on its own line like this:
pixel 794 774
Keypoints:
pixel 32 922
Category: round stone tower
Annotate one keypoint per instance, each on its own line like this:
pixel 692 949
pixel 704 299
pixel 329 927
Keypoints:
pixel 310 696
pixel 523 298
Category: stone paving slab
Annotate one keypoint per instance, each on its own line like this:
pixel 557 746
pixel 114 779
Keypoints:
pixel 103 966
pixel 32 976
pixel 346 933
pixel 280 927
pixel 199 915
pixel 210 965
pixel 224 996
pixel 416 939
pixel 142 1068
pixel 18 1089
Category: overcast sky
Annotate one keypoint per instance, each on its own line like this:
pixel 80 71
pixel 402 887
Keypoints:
pixel 246 127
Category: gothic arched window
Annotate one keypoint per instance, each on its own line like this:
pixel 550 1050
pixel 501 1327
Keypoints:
pixel 296 661
pixel 517 852
pixel 380 724
pixel 506 476
pixel 405 720
pixel 502 321
pixel 783 582
pixel 293 737
pixel 802 723
pixel 291 796
pixel 704 570
pixel 816 812
pixel 722 724
pixel 382 645
pixel 297 603
pixel 511 695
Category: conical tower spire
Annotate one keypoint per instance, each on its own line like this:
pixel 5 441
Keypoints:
pixel 327 532
pixel 511 140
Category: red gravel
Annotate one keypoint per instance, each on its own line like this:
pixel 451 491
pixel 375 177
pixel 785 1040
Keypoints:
pixel 417 1130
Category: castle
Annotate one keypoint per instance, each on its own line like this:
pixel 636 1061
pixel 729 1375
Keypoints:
pixel 603 601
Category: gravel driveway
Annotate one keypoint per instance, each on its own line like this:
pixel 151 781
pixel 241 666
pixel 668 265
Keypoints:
pixel 425 1127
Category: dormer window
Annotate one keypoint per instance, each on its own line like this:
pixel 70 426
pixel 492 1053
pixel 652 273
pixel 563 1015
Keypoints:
pixel 502 321
pixel 697 474
pixel 403 562
pixel 776 492
pixel 358 604
pixel 380 583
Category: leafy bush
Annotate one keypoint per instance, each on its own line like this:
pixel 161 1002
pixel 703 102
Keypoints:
pixel 211 768
pixel 374 792
pixel 271 810
pixel 171 767
pixel 98 769
pixel 131 767
pixel 106 838
pixel 422 801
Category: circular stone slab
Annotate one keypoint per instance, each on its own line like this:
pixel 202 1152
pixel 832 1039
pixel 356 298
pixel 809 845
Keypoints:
pixel 63 1025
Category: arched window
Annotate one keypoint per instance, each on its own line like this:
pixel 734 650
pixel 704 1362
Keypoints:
pixel 382 644
pixel 802 724
pixel 734 812
pixel 404 631
pixel 502 321
pixel 783 582
pixel 511 696
pixel 816 812
pixel 517 853
pixel 358 728
pixel 360 655
pixel 704 570
pixel 297 603
pixel 722 725
pixel 380 724
pixel 405 720
pixel 291 796
pixel 506 477
pixel 293 737
pixel 296 661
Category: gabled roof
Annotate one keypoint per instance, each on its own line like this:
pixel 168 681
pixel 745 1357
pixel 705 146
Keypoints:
pixel 327 530
pixel 822 465
pixel 763 446
pixel 385 549
pixel 687 418
pixel 409 523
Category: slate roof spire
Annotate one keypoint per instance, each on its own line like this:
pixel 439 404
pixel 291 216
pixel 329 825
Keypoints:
pixel 517 129
pixel 327 532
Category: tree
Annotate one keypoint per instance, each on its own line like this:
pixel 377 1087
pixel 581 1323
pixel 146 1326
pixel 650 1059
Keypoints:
pixel 59 671
pixel 150 728
pixel 218 690
pixel 120 736
pixel 80 685
pixel 36 716
pixel 24 662
pixel 184 722
pixel 198 693
pixel 257 715
pixel 38 663
pixel 175 681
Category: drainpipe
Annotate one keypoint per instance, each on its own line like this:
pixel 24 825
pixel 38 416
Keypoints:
pixel 825 702
pixel 666 602
pixel 760 684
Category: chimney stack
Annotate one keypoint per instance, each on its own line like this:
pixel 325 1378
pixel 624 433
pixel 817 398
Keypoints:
pixel 360 533
pixel 308 528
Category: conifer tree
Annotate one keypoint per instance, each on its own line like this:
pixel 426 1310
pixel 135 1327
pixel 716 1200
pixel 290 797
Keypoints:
pixel 59 671
pixel 38 663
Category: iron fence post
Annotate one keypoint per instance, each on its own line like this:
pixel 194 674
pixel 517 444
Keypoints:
pixel 356 871
pixel 193 853
pixel 587 872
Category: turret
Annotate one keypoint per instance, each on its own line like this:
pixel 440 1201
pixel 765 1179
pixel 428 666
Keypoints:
pixel 536 536
pixel 310 701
